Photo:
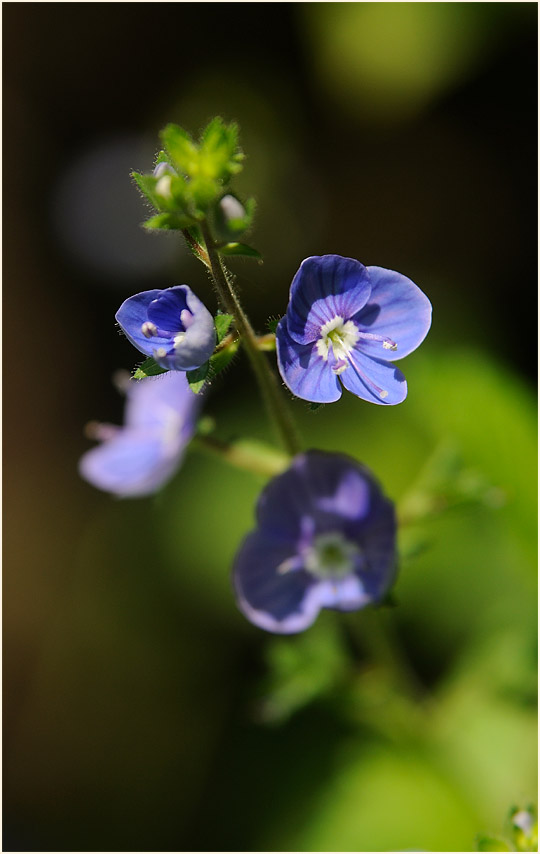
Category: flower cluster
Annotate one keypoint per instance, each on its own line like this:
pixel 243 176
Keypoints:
pixel 326 534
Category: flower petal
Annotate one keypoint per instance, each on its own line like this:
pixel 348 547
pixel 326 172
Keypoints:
pixel 284 602
pixel 161 402
pixel 325 287
pixel 373 379
pixel 129 465
pixel 200 336
pixel 166 309
pixel 343 594
pixel 303 370
pixel 397 309
pixel 332 490
pixel 132 314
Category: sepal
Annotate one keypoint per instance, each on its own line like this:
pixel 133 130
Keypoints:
pixel 239 249
pixel 149 368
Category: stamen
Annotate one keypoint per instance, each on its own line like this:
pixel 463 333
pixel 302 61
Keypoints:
pixel 186 318
pixel 290 564
pixel 387 343
pixel 339 367
pixel 368 381
pixel 149 329
pixel 178 338
pixel 340 334
pixel 161 352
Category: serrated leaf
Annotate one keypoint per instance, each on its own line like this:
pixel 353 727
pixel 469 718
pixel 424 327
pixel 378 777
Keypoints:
pixel 161 157
pixel 180 148
pixel 146 184
pixel 272 324
pixel 167 222
pixel 197 378
pixel 149 368
pixel 223 357
pixel 239 249
pixel 220 156
pixel 222 323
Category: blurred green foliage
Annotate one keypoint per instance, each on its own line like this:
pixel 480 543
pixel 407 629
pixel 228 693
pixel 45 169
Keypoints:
pixel 389 60
pixel 465 615
pixel 142 711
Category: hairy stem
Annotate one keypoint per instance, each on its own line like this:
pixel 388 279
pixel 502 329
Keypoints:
pixel 266 378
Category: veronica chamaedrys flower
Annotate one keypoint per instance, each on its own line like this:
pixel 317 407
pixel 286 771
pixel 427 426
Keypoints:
pixel 325 538
pixel 172 325
pixel 342 322
pixel 140 457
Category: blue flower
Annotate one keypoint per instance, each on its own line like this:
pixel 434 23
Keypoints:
pixel 341 321
pixel 325 539
pixel 171 325
pixel 140 457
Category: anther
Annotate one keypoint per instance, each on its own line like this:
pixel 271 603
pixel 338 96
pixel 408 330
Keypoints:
pixel 149 329
pixel 387 343
pixel 339 367
pixel 179 338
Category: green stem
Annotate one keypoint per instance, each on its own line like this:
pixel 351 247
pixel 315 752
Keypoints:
pixel 248 455
pixel 266 378
pixel 373 629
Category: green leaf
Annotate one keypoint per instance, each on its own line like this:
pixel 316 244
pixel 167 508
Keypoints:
pixel 149 368
pixel 197 378
pixel 272 323
pixel 181 149
pixel 239 249
pixel 168 222
pixel 222 323
pixel 492 843
pixel 222 358
pixel 302 669
pixel 313 407
pixel 220 156
pixel 147 185
pixel 161 157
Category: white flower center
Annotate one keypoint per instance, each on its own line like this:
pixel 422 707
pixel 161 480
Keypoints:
pixel 331 556
pixel 339 334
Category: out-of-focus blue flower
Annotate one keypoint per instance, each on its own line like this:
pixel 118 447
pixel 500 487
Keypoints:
pixel 341 321
pixel 140 457
pixel 325 538
pixel 172 325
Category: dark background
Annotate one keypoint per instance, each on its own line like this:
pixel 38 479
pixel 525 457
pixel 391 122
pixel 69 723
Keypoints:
pixel 404 137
